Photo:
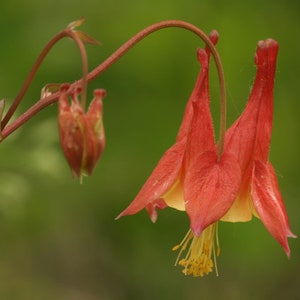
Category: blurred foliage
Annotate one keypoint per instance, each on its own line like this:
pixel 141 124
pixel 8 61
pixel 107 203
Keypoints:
pixel 59 239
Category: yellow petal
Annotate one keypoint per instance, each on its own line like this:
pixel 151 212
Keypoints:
pixel 241 211
pixel 174 197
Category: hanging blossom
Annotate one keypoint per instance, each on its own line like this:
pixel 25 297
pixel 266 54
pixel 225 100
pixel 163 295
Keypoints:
pixel 249 138
pixel 190 176
pixel 232 186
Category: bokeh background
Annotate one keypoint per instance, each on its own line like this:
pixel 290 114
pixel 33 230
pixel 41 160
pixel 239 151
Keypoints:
pixel 58 238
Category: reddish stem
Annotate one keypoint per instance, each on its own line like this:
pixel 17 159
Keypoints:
pixel 42 103
pixel 30 77
pixel 37 64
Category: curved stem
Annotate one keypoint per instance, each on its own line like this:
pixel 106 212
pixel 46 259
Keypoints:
pixel 118 54
pixel 181 24
pixel 30 77
pixel 38 63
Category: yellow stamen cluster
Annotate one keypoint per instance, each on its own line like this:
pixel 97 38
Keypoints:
pixel 198 259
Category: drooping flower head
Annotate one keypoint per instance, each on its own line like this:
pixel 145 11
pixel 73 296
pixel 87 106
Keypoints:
pixel 249 139
pixel 193 176
pixel 165 184
pixel 81 133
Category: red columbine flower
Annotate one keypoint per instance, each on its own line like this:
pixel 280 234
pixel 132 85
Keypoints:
pixel 165 184
pixel 190 176
pixel 81 134
pixel 249 139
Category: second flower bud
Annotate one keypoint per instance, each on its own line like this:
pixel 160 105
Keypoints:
pixel 82 135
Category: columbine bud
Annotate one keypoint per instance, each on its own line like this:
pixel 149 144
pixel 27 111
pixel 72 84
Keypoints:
pixel 81 134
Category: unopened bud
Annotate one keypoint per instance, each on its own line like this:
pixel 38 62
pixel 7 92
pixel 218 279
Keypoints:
pixel 81 134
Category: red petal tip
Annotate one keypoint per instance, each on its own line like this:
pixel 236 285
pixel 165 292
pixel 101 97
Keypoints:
pixel 266 51
pixel 119 216
pixel 99 93
pixel 77 90
pixel 287 251
pixel 268 43
pixel 202 57
pixel 64 87
pixel 214 36
pixel 197 229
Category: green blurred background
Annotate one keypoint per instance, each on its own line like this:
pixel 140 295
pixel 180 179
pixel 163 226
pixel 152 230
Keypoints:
pixel 58 238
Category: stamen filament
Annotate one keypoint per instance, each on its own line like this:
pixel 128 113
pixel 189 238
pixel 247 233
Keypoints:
pixel 198 259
